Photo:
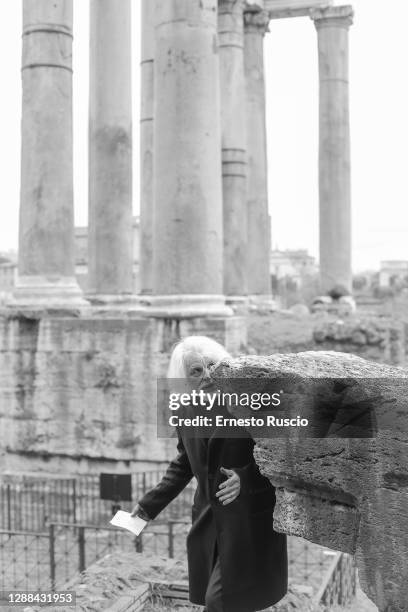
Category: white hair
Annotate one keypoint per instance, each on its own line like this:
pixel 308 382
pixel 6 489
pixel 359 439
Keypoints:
pixel 200 345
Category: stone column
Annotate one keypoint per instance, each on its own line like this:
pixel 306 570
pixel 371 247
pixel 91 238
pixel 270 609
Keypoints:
pixel 146 146
pixel 259 246
pixel 110 151
pixel 188 234
pixel 46 270
pixel 332 26
pixel 231 40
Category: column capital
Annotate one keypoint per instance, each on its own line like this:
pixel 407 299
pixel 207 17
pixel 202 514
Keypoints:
pixel 231 6
pixel 256 21
pixel 231 23
pixel 333 16
pixel 254 5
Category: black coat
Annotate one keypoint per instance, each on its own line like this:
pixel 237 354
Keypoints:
pixel 253 556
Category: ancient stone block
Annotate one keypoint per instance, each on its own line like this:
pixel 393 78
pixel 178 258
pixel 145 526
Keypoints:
pixel 375 338
pixel 80 392
pixel 350 494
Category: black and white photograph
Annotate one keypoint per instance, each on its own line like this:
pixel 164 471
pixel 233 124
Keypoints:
pixel 204 306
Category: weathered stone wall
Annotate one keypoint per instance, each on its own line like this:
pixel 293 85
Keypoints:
pixel 348 494
pixel 79 393
pixel 374 337
pixel 379 339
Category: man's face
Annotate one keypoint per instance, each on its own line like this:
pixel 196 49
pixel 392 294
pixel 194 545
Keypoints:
pixel 198 371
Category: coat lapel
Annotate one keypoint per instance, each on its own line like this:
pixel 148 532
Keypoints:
pixel 215 444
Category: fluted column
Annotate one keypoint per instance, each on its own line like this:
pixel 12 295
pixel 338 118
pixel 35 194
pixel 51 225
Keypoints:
pixel 231 40
pixel 188 235
pixel 110 151
pixel 332 27
pixel 146 145
pixel 259 246
pixel 46 270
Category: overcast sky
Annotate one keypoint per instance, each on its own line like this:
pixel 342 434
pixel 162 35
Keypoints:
pixel 379 127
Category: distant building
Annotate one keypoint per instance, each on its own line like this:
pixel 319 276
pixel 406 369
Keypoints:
pixel 293 264
pixel 393 273
pixel 289 264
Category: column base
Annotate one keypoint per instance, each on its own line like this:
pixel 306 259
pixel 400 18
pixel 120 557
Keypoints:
pixel 45 292
pixel 122 301
pixel 238 303
pixel 262 303
pixel 185 306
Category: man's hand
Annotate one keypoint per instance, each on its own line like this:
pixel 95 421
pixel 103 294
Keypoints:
pixel 230 488
pixel 138 511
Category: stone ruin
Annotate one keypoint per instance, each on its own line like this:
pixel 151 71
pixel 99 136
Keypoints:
pixel 350 494
pixel 71 382
pixel 210 151
pixel 76 382
pixel 78 393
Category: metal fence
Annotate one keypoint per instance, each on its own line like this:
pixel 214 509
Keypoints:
pixel 52 528
pixel 308 563
pixel 30 503
pixel 47 560
pixel 340 583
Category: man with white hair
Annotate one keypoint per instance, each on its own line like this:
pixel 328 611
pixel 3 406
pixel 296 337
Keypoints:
pixel 236 561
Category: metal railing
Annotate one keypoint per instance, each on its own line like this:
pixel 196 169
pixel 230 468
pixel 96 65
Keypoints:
pixel 340 583
pixel 30 503
pixel 44 560
pixel 47 560
pixel 52 528
pixel 23 557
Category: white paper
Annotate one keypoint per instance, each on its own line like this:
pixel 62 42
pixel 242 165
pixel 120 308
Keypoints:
pixel 132 523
